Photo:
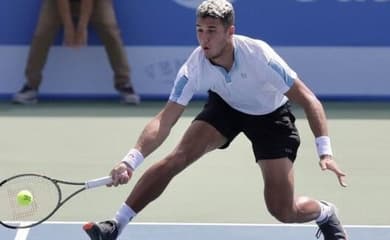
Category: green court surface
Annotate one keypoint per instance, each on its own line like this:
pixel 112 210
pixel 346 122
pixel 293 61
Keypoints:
pixel 77 141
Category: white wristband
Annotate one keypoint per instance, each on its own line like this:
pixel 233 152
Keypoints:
pixel 323 146
pixel 133 158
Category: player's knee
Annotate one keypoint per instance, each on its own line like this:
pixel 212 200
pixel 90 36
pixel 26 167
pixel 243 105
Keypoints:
pixel 282 214
pixel 174 163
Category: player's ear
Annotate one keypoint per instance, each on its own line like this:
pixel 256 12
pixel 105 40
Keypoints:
pixel 231 29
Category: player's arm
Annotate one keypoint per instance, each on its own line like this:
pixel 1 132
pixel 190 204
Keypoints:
pixel 315 113
pixel 158 129
pixel 302 95
pixel 63 7
pixel 152 136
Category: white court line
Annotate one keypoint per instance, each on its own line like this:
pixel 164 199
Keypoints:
pixel 22 234
pixel 224 224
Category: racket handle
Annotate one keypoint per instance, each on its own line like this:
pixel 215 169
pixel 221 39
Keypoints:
pixel 98 182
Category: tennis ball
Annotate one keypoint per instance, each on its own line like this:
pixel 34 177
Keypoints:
pixel 24 198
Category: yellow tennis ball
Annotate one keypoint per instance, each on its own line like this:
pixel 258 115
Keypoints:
pixel 24 198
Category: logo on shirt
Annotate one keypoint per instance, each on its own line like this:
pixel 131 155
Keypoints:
pixel 192 3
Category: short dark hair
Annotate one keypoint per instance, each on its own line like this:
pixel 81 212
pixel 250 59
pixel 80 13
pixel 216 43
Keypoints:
pixel 219 9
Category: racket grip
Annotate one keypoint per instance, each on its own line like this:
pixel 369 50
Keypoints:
pixel 98 182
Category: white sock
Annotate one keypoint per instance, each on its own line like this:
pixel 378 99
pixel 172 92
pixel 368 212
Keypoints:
pixel 123 216
pixel 325 212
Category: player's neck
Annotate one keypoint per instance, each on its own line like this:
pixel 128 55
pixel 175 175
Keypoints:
pixel 225 59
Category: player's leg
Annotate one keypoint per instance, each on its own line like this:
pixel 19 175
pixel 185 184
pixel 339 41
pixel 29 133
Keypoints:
pixel 200 138
pixel 278 175
pixel 215 127
pixel 281 202
pixel 275 147
pixel 275 142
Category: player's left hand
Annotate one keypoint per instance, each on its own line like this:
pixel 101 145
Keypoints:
pixel 328 163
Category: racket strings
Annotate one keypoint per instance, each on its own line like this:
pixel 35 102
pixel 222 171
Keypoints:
pixel 18 212
pixel 45 199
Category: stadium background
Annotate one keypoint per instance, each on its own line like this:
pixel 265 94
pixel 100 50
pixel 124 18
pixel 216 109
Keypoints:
pixel 340 48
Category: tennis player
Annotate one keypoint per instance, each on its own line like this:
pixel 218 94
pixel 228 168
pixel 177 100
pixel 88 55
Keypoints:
pixel 250 89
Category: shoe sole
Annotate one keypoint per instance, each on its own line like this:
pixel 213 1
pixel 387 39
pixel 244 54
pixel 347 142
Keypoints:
pixel 93 231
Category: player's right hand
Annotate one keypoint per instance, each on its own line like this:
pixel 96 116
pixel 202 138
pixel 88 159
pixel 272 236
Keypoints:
pixel 120 174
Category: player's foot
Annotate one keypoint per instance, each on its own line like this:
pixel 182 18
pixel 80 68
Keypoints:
pixel 331 227
pixel 107 230
pixel 26 95
pixel 128 96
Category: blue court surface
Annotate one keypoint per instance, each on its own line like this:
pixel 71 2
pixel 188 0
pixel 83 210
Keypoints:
pixel 194 231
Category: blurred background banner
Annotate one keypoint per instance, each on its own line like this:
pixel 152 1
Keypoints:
pixel 340 48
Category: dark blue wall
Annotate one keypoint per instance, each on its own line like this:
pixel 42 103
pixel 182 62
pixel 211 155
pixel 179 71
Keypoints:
pixel 281 22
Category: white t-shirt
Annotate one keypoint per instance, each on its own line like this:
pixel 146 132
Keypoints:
pixel 255 84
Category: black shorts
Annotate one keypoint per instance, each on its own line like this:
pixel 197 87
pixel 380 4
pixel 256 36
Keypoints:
pixel 272 135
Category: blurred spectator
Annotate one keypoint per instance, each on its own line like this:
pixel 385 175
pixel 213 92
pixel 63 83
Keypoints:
pixel 74 16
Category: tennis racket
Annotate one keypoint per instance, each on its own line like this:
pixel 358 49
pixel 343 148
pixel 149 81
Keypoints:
pixel 47 198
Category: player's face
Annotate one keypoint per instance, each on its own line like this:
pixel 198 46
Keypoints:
pixel 213 37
